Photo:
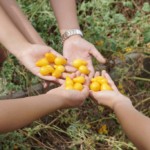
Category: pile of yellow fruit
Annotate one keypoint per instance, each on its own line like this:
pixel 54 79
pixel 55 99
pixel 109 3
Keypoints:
pixel 99 83
pixel 81 65
pixel 75 83
pixel 51 65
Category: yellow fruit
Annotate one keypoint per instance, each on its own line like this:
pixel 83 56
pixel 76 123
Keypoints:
pixel 78 86
pixel 93 80
pixel 68 81
pixel 79 62
pixel 105 86
pixel 56 74
pixel 99 78
pixel 84 70
pixel 46 70
pixel 50 57
pixel 42 62
pixel 79 79
pixel 101 81
pixel 60 61
pixel 60 68
pixel 95 86
pixel 69 87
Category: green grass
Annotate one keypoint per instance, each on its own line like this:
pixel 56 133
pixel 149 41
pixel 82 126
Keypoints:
pixel 112 26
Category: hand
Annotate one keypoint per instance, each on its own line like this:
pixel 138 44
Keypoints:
pixel 109 98
pixel 71 98
pixel 76 47
pixel 29 56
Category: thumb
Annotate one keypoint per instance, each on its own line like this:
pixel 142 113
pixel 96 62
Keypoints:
pixel 97 55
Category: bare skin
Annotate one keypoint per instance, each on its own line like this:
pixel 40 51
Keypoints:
pixel 65 11
pixel 21 21
pixel 134 123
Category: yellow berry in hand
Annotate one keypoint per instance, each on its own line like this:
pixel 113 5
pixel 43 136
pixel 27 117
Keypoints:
pixel 56 74
pixel 105 86
pixel 95 86
pixel 93 80
pixel 61 68
pixel 79 62
pixel 84 70
pixel 42 62
pixel 79 79
pixel 50 68
pixel 78 86
pixel 46 70
pixel 60 61
pixel 68 81
pixel 50 57
pixel 69 87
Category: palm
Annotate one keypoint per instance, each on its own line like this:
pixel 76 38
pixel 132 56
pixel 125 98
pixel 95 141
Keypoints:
pixel 29 57
pixel 72 97
pixel 80 48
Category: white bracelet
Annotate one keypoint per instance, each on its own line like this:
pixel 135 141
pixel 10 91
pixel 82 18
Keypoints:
pixel 70 33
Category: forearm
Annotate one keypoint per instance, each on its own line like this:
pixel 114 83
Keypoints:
pixel 66 15
pixel 135 125
pixel 21 22
pixel 10 37
pixel 18 113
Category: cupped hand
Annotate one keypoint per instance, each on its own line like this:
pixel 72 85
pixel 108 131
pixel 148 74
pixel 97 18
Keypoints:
pixel 109 98
pixel 76 47
pixel 31 54
pixel 71 98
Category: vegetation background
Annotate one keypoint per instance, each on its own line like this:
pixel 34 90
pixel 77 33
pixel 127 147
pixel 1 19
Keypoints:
pixel 121 32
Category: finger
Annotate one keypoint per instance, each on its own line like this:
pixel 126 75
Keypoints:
pixel 87 81
pixel 97 55
pixel 49 78
pixel 70 69
pixel 64 75
pixel 60 81
pixel 97 74
pixel 78 73
pixel 56 53
pixel 91 68
pixel 85 91
pixel 110 81
pixel 92 95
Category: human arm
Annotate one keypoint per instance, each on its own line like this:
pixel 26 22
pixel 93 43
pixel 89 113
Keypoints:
pixel 135 124
pixel 21 21
pixel 74 47
pixel 18 113
pixel 26 52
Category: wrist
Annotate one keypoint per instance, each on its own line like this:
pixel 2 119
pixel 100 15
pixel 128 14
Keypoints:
pixel 71 33
pixel 123 102
pixel 58 97
pixel 19 48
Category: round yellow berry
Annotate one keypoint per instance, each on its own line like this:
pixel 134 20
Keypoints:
pixel 68 81
pixel 84 70
pixel 79 79
pixel 50 57
pixel 69 87
pixel 79 62
pixel 78 86
pixel 42 62
pixel 60 61
pixel 95 86
pixel 61 68
pixel 46 70
pixel 56 74
pixel 105 86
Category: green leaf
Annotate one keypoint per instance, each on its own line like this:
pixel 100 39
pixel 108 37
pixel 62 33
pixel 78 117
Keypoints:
pixel 119 18
pixel 146 7
pixel 147 36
